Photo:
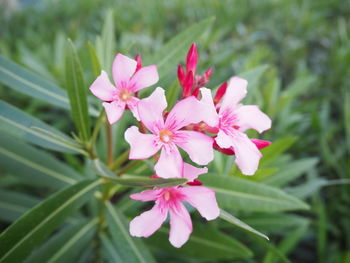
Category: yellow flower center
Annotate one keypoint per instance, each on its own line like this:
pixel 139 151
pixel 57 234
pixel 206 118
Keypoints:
pixel 165 135
pixel 125 95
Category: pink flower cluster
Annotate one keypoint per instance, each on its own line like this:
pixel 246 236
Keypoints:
pixel 197 123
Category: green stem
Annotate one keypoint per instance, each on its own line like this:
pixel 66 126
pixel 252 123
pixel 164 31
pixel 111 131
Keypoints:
pixel 120 160
pixel 109 143
pixel 90 147
pixel 127 167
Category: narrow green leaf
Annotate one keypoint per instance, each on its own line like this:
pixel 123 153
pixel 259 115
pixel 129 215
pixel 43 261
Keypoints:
pixel 171 54
pixel 135 181
pixel 130 249
pixel 110 251
pixel 33 165
pixel 33 85
pixel 287 244
pixel 33 227
pixel 276 149
pixel 19 124
pixel 239 194
pixel 290 172
pixel 13 204
pixel 77 92
pixel 253 77
pixel 273 222
pixel 206 242
pixel 108 41
pixel 66 245
pixel 96 67
pixel 234 220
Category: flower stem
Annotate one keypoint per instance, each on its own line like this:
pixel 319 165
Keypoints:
pixel 120 160
pixel 109 143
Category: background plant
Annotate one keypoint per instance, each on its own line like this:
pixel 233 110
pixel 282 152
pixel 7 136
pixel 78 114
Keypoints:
pixel 295 55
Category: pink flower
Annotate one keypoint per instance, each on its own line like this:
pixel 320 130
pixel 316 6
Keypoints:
pixel 232 120
pixel 127 81
pixel 169 200
pixel 166 135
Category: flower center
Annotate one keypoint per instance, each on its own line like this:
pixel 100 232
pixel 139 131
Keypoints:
pixel 167 196
pixel 165 135
pixel 125 95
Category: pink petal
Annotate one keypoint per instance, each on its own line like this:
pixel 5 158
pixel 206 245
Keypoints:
pixel 148 222
pixel 170 163
pixel 132 105
pixel 151 110
pixel 235 92
pixel 251 117
pixel 191 172
pixel 102 88
pixel 180 225
pixel 203 199
pixel 223 140
pixel 142 145
pixel 198 146
pixel 185 112
pixel 114 110
pixel 123 68
pixel 208 108
pixel 147 195
pixel 145 77
pixel 247 154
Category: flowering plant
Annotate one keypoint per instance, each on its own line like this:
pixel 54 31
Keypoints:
pixel 161 150
pixel 187 125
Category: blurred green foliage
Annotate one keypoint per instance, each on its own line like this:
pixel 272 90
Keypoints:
pixel 296 55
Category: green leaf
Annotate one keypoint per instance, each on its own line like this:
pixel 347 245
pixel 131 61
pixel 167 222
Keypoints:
pixel 205 242
pixel 234 220
pixel 33 227
pixel 276 149
pixel 96 67
pixel 31 84
pixel 171 54
pixel 290 172
pixel 288 243
pixel 107 42
pixel 253 77
pixel 77 92
pixel 239 194
pixel 66 245
pixel 130 249
pixel 34 166
pixel 135 181
pixel 13 204
pixel 19 124
pixel 110 252
pixel 273 222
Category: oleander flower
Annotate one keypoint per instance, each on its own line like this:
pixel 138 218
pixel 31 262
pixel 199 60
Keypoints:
pixel 232 120
pixel 128 80
pixel 170 201
pixel 167 135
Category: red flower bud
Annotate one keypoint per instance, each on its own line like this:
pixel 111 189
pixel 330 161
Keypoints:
pixel 181 74
pixel 221 92
pixel 192 59
pixel 139 61
pixel 208 73
pixel 187 86
pixel 195 182
pixel 260 143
